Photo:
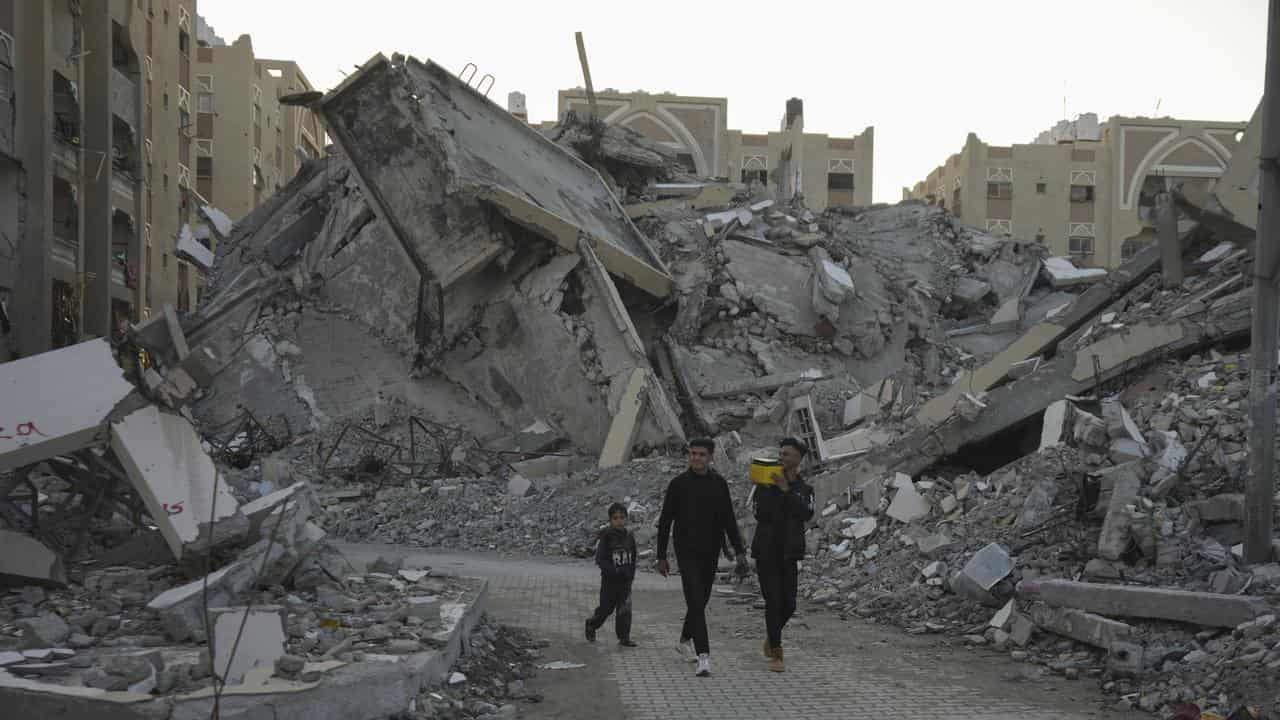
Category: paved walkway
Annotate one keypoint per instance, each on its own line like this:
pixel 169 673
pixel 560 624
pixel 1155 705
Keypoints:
pixel 835 669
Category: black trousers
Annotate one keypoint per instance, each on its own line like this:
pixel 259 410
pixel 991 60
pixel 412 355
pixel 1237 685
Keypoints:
pixel 697 576
pixel 615 597
pixel 779 584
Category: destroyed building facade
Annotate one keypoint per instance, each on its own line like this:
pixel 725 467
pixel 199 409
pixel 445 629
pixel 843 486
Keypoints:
pixel 828 171
pixel 1090 194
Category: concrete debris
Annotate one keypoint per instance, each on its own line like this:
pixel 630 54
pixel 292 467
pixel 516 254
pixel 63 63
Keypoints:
pixel 177 479
pixel 1063 274
pixel 1078 625
pixel 1206 609
pixel 255 634
pixel 908 505
pixel 25 561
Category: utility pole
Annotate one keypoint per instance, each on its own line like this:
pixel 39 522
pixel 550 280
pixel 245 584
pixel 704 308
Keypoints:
pixel 1260 491
pixel 586 74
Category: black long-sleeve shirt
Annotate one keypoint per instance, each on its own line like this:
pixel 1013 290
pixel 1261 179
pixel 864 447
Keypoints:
pixel 616 553
pixel 702 510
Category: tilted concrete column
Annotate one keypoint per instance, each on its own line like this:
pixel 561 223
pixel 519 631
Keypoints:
pixel 97 169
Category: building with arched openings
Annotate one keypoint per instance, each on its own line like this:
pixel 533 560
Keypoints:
pixel 1087 189
pixel 827 170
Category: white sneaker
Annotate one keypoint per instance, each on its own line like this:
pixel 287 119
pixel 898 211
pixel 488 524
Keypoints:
pixel 704 665
pixel 686 652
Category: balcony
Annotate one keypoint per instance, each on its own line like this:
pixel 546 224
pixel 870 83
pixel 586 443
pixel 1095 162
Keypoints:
pixel 124 97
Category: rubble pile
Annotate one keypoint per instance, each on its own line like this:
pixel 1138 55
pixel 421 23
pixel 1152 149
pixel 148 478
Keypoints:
pixel 488 681
pixel 553 516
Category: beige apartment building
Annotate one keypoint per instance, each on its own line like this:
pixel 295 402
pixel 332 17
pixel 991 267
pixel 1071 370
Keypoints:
pixel 94 98
pixel 248 145
pixel 1086 189
pixel 827 170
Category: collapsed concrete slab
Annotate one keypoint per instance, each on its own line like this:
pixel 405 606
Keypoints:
pixel 1074 372
pixel 1208 609
pixel 40 419
pixel 176 479
pixel 26 561
pixel 490 155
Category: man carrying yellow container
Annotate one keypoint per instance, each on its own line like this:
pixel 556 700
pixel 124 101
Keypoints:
pixel 783 507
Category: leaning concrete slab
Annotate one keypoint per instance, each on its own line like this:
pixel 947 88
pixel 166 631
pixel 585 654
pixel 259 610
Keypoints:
pixel 423 144
pixel 26 561
pixel 40 419
pixel 168 467
pixel 1198 608
pixel 622 432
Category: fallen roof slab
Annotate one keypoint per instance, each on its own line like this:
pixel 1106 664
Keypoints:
pixel 421 140
pixel 1199 608
pixel 40 419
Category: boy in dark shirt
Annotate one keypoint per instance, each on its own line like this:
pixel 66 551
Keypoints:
pixel 616 556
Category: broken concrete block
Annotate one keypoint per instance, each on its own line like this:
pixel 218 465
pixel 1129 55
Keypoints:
pixel 1001 619
pixel 1124 659
pixel 423 607
pixel 831 279
pixel 1208 609
pixel 908 505
pixel 1114 538
pixel 935 544
pixel 261 643
pixel 1227 507
pixel 1021 628
pixel 970 290
pixel 44 631
pixel 1063 274
pixel 518 485
pixel 862 527
pixel 1079 625
pixel 180 608
pixel 1008 316
pixel 1055 420
pixel 42 419
pixel 26 561
pixel 1038 506
pixel 1125 450
pixel 257 511
pixel 175 477
pixel 987 567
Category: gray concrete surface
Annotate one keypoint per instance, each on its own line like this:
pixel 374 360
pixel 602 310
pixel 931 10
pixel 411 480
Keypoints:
pixel 845 669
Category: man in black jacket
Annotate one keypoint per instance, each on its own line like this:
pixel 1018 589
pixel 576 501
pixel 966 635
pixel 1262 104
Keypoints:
pixel 616 556
pixel 782 510
pixel 697 501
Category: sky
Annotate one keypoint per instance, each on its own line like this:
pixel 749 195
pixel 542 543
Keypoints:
pixel 925 73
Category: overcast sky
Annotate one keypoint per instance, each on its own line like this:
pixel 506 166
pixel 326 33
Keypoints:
pixel 924 73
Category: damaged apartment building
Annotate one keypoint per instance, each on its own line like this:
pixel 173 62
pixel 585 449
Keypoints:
pixel 1086 189
pixel 827 171
pixel 107 157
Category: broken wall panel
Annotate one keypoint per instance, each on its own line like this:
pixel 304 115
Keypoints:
pixel 175 477
pixel 426 147
pixel 57 402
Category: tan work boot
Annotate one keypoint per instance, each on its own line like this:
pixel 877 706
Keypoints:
pixel 768 649
pixel 775 662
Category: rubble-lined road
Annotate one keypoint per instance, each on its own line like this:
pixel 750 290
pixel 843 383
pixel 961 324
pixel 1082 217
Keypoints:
pixel 835 668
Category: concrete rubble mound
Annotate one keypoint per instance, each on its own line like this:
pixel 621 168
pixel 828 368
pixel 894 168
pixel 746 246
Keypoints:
pixel 456 331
